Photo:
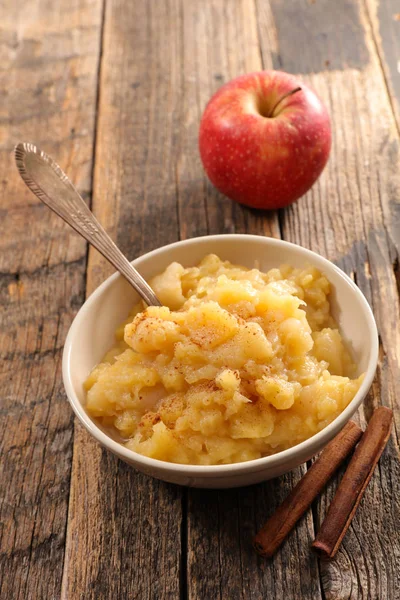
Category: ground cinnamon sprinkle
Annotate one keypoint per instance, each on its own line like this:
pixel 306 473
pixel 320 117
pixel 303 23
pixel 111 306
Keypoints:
pixel 271 536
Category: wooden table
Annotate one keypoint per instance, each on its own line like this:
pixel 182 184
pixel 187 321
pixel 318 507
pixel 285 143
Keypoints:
pixel 114 91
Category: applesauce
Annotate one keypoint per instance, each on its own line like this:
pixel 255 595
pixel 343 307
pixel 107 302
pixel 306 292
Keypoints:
pixel 237 364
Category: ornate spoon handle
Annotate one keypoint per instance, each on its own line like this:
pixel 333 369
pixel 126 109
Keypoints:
pixel 50 184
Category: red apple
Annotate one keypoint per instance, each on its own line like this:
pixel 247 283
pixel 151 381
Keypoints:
pixel 264 139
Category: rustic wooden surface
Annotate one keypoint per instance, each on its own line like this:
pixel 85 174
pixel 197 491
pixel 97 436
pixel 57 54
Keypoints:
pixel 115 90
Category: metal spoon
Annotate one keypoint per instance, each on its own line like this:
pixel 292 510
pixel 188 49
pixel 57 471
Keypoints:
pixel 50 184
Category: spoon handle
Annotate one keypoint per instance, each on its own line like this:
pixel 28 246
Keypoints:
pixel 50 184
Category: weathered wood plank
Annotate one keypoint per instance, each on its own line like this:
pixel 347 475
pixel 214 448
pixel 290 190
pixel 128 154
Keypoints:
pixel 220 42
pixel 352 216
pixel 123 537
pixel 48 64
pixel 221 561
pixel 130 526
pixel 384 17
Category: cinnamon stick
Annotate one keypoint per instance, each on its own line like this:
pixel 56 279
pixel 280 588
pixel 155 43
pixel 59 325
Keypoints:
pixel 354 483
pixel 271 536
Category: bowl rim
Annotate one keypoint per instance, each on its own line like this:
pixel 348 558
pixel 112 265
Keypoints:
pixel 259 464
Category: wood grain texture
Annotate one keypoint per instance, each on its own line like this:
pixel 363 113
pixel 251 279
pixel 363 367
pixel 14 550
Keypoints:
pixel 48 79
pixel 211 30
pixel 131 524
pixel 123 536
pixel 384 18
pixel 221 560
pixel 352 216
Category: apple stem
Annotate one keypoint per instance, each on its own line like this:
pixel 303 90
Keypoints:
pixel 283 98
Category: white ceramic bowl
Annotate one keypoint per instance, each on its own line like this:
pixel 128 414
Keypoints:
pixel 92 333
